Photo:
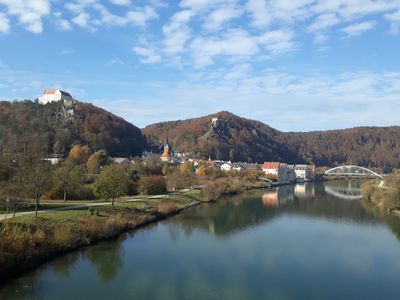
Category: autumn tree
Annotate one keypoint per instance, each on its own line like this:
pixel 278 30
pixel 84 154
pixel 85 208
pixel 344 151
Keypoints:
pixel 96 161
pixel 152 185
pixel 79 153
pixel 111 183
pixel 69 176
pixel 36 175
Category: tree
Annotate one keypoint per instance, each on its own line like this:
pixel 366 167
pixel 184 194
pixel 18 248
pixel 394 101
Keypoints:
pixel 187 168
pixel 152 185
pixel 153 164
pixel 36 175
pixel 202 170
pixel 96 161
pixel 70 176
pixel 80 153
pixel 111 183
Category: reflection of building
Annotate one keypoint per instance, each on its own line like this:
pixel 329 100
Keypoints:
pixel 270 198
pixel 304 172
pixel 304 190
pixel 279 196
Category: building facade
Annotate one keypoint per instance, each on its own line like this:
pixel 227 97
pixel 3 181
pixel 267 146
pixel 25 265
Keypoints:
pixel 54 95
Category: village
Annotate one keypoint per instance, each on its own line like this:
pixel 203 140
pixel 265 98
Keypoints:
pixel 276 172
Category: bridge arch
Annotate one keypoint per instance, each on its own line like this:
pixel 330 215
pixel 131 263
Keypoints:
pixel 352 170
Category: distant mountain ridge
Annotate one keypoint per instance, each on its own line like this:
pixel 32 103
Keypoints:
pixel 58 126
pixel 234 138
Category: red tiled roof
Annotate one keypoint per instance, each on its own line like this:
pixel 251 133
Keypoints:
pixel 165 154
pixel 48 91
pixel 272 165
pixel 53 91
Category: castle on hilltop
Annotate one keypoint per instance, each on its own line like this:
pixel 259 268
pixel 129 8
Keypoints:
pixel 54 95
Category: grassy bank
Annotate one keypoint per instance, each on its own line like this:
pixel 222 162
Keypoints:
pixel 27 241
pixel 385 196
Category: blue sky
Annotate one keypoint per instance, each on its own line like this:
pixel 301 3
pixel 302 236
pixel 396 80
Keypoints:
pixel 295 65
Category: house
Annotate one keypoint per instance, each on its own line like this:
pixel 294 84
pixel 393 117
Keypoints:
pixel 271 169
pixel 286 173
pixel 304 172
pixel 53 160
pixel 54 95
pixel 279 171
pixel 226 166
pixel 122 161
pixel 236 167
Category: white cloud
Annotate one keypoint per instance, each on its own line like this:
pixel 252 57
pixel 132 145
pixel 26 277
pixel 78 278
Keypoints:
pixel 67 51
pixel 260 13
pixel 4 24
pixel 148 56
pixel 278 41
pixel 358 28
pixel 28 12
pixel 177 32
pixel 324 21
pixel 234 43
pixel 121 2
pixel 82 19
pixel 220 16
pixel 91 14
pixel 394 19
pixel 115 62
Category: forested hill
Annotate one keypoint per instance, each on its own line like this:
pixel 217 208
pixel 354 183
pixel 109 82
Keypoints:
pixel 58 127
pixel 229 138
pixel 364 146
pixel 235 138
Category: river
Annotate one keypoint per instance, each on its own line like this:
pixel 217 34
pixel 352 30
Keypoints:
pixel 306 241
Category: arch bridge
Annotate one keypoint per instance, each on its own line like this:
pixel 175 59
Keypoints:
pixel 352 171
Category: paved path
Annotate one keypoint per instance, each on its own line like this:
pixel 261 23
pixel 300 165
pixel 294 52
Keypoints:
pixel 72 207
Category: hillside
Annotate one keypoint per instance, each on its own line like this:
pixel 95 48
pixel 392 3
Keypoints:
pixel 364 146
pixel 58 128
pixel 235 138
pixel 230 138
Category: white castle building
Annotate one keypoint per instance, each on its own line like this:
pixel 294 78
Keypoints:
pixel 53 96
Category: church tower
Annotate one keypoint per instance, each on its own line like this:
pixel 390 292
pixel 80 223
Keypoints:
pixel 165 156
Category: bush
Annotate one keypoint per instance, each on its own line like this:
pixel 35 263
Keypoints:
pixel 63 236
pixel 152 185
pixel 166 208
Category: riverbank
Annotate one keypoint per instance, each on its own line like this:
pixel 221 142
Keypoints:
pixel 385 195
pixel 26 241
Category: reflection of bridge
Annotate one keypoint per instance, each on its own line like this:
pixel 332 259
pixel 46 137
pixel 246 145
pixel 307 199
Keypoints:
pixel 344 193
pixel 352 171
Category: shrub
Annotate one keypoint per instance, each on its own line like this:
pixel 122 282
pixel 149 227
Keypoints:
pixel 63 236
pixel 152 185
pixel 166 208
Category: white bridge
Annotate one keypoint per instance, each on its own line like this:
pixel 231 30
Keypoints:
pixel 352 171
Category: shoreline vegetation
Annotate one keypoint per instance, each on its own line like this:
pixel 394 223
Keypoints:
pixel 26 241
pixel 385 195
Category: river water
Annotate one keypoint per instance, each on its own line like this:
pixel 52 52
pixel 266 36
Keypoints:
pixel 307 241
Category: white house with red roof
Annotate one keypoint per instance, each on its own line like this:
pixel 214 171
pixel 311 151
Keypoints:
pixel 53 95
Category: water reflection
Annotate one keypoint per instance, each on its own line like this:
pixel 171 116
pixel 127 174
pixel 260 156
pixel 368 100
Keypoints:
pixel 347 190
pixel 107 258
pixel 256 207
pixel 291 242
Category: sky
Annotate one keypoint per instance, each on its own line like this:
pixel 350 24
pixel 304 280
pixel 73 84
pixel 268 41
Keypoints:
pixel 296 65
